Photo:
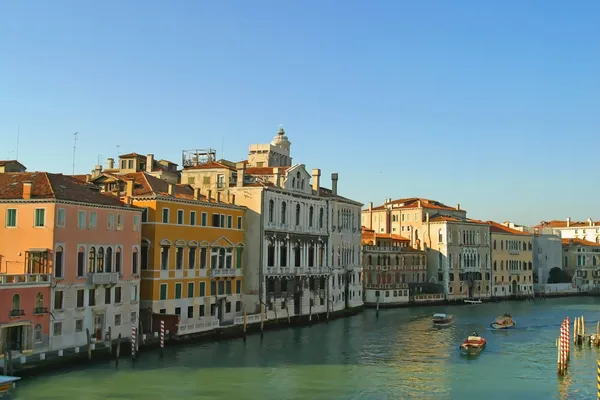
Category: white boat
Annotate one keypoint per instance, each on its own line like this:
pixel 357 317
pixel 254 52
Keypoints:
pixel 468 301
pixel 443 319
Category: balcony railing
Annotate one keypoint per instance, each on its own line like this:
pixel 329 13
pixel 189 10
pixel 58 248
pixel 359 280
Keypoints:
pixel 16 313
pixel 40 310
pixel 384 248
pixel 103 278
pixel 223 272
pixel 25 279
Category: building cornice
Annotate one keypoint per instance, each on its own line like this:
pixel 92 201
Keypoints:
pixel 68 202
pixel 201 203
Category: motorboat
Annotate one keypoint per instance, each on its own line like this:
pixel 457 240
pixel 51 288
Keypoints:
pixel 470 301
pixel 7 384
pixel 443 319
pixel 474 344
pixel 504 322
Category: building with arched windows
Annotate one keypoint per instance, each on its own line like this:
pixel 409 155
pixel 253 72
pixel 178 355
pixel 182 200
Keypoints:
pixel 61 233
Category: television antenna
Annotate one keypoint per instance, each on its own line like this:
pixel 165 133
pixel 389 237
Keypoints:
pixel 74 149
pixel 18 135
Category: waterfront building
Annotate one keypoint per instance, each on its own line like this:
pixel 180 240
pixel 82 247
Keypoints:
pixel 586 230
pixel 11 166
pixel 131 163
pixel 192 251
pixel 512 261
pixel 297 264
pixel 88 241
pixel 582 262
pixel 393 271
pixel 458 248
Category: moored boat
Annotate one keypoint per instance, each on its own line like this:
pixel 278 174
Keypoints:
pixel 473 344
pixel 7 383
pixel 441 319
pixel 504 322
pixel 470 301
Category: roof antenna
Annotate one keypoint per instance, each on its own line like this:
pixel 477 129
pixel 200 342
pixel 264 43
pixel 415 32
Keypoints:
pixel 74 148
pixel 222 148
pixel 18 135
pixel 118 150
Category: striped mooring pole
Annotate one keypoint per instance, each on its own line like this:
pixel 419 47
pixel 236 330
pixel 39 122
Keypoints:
pixel 162 337
pixel 133 339
pixel 598 378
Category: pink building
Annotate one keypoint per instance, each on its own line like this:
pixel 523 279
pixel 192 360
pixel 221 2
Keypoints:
pixel 89 243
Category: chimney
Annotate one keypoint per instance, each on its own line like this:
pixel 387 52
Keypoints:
pixel 197 194
pixel 218 197
pixel 334 180
pixel 277 176
pixel 26 190
pixel 370 206
pixel 590 222
pixel 241 171
pixel 316 176
pixel 129 188
pixel 458 206
pixel 419 203
pixel 110 163
pixel 171 189
pixel 209 195
pixel 149 162
pixel 233 199
pixel 568 222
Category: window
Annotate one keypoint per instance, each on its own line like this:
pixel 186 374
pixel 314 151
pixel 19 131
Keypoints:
pixel 190 312
pixel 117 319
pixel 311 212
pixel 321 216
pixel 81 262
pixel 271 209
pixel 220 181
pixel 297 214
pixel 239 222
pixel 16 305
pixel 178 290
pixel 92 260
pixel 58 262
pixel 136 223
pixel 164 257
pixel 38 333
pixel 190 289
pixel 238 286
pixel 108 259
pixel 201 311
pixel 58 300
pixel 178 311
pixel 165 215
pixel 239 252
pixel 228 287
pixel 81 220
pixel 180 217
pixel 283 212
pixel 110 222
pixel 221 288
pixel 133 318
pixel 79 325
pixel 192 257
pixel 100 260
pixel 107 295
pixel 163 291
pixel 60 218
pixel 92 297
pixel 39 304
pixel 229 222
pixel 202 292
pixel 118 295
pixel 57 328
pixel 192 217
pixel 134 293
pixel 80 298
pixel 238 306
pixel 216 220
pixel 179 258
pixel 145 215
pixel 134 261
pixel 222 221
pixel 213 288
pixel 145 249
pixel 203 217
pixel 39 217
pixel 120 222
pixel 228 306
pixel 203 257
pixel 93 222
pixel 118 260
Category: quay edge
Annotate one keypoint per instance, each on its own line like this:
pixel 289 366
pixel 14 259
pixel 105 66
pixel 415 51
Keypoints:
pixel 72 360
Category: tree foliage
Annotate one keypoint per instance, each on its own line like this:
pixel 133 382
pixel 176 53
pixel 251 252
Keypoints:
pixel 557 275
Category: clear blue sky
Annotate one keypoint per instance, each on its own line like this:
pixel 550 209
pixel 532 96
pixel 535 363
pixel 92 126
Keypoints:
pixel 495 106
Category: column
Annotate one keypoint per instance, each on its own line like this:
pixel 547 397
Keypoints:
pixel 277 253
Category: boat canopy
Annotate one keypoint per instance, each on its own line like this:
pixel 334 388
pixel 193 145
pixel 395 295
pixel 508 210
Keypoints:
pixel 440 315
pixel 8 379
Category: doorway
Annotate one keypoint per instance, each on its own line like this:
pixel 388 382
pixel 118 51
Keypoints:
pixel 15 338
pixel 298 300
pixel 98 326
pixel 515 288
pixel 220 309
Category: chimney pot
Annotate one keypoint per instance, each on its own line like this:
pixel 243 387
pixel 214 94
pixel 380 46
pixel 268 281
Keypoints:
pixel 233 199
pixel 26 190
pixel 197 194
pixel 334 183
pixel 419 203
pixel 316 176
pixel 149 162
pixel 218 197
pixel 458 206
pixel 171 189
pixel 110 163
pixel 370 206
pixel 568 222
pixel 241 171
pixel 209 196
pixel 129 188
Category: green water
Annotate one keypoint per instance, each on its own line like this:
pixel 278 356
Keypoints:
pixel 397 356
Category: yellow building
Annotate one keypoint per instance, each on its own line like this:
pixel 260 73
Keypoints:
pixel 512 261
pixel 192 252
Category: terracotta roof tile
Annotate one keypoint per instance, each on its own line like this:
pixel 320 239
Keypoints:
pixel 563 224
pixel 579 242
pixel 45 185
pixel 499 228
pixel 413 202
pixel 265 170
pixel 4 162
pixel 131 155
pixel 211 165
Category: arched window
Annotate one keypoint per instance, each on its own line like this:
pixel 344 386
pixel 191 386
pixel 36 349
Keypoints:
pixel 38 333
pixel 108 259
pixel 81 261
pixel 221 257
pixel 92 260
pixel 100 260
pixel 440 237
pixel 297 214
pixel 283 211
pixel 58 262
pixel 271 209
pixel 310 216
pixel 145 249
pixel 118 259
pixel 16 303
pixel 39 300
pixel 321 217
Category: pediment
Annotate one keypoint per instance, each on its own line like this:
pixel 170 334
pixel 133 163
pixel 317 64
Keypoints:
pixel 222 242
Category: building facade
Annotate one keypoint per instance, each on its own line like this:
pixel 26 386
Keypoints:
pixel 192 252
pixel 581 260
pixel 586 230
pixel 512 261
pixel 89 243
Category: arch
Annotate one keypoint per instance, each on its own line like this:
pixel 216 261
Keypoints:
pixel 108 259
pixel 59 261
pixel 92 260
pixel 311 214
pixel 222 242
pixel 146 241
pixel 321 217
pixel 297 214
pixel 271 210
pixel 100 260
pixel 192 243
pixel 180 243
pixel 16 302
pixel 166 242
pixel 204 243
pixel 39 300
pixel 283 211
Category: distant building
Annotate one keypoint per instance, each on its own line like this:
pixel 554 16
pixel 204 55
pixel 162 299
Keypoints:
pixel 586 230
pixel 582 262
pixel 134 162
pixel 11 166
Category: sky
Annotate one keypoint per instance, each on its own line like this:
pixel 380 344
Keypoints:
pixel 493 105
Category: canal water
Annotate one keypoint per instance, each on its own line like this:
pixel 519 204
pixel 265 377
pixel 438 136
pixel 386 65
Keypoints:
pixel 396 356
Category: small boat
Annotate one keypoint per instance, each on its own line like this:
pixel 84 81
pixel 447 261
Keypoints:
pixel 443 319
pixel 473 344
pixel 7 383
pixel 469 301
pixel 504 322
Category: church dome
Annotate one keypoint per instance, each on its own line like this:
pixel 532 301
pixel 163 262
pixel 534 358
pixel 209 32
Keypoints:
pixel 281 140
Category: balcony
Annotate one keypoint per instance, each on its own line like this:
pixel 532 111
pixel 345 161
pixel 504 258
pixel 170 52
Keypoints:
pixel 384 248
pixel 40 310
pixel 222 273
pixel 16 313
pixel 25 279
pixel 103 278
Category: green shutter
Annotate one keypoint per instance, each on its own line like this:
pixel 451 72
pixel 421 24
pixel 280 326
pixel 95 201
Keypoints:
pixel 202 289
pixel 238 257
pixel 163 292
pixel 178 290
pixel 190 292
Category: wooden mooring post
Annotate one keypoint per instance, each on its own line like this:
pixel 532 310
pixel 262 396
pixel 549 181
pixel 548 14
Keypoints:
pixel 377 308
pixel 598 378
pixel 133 340
pixel 245 323
pixel 118 351
pixel 262 321
pixel 287 310
pixel 109 340
pixel 89 343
